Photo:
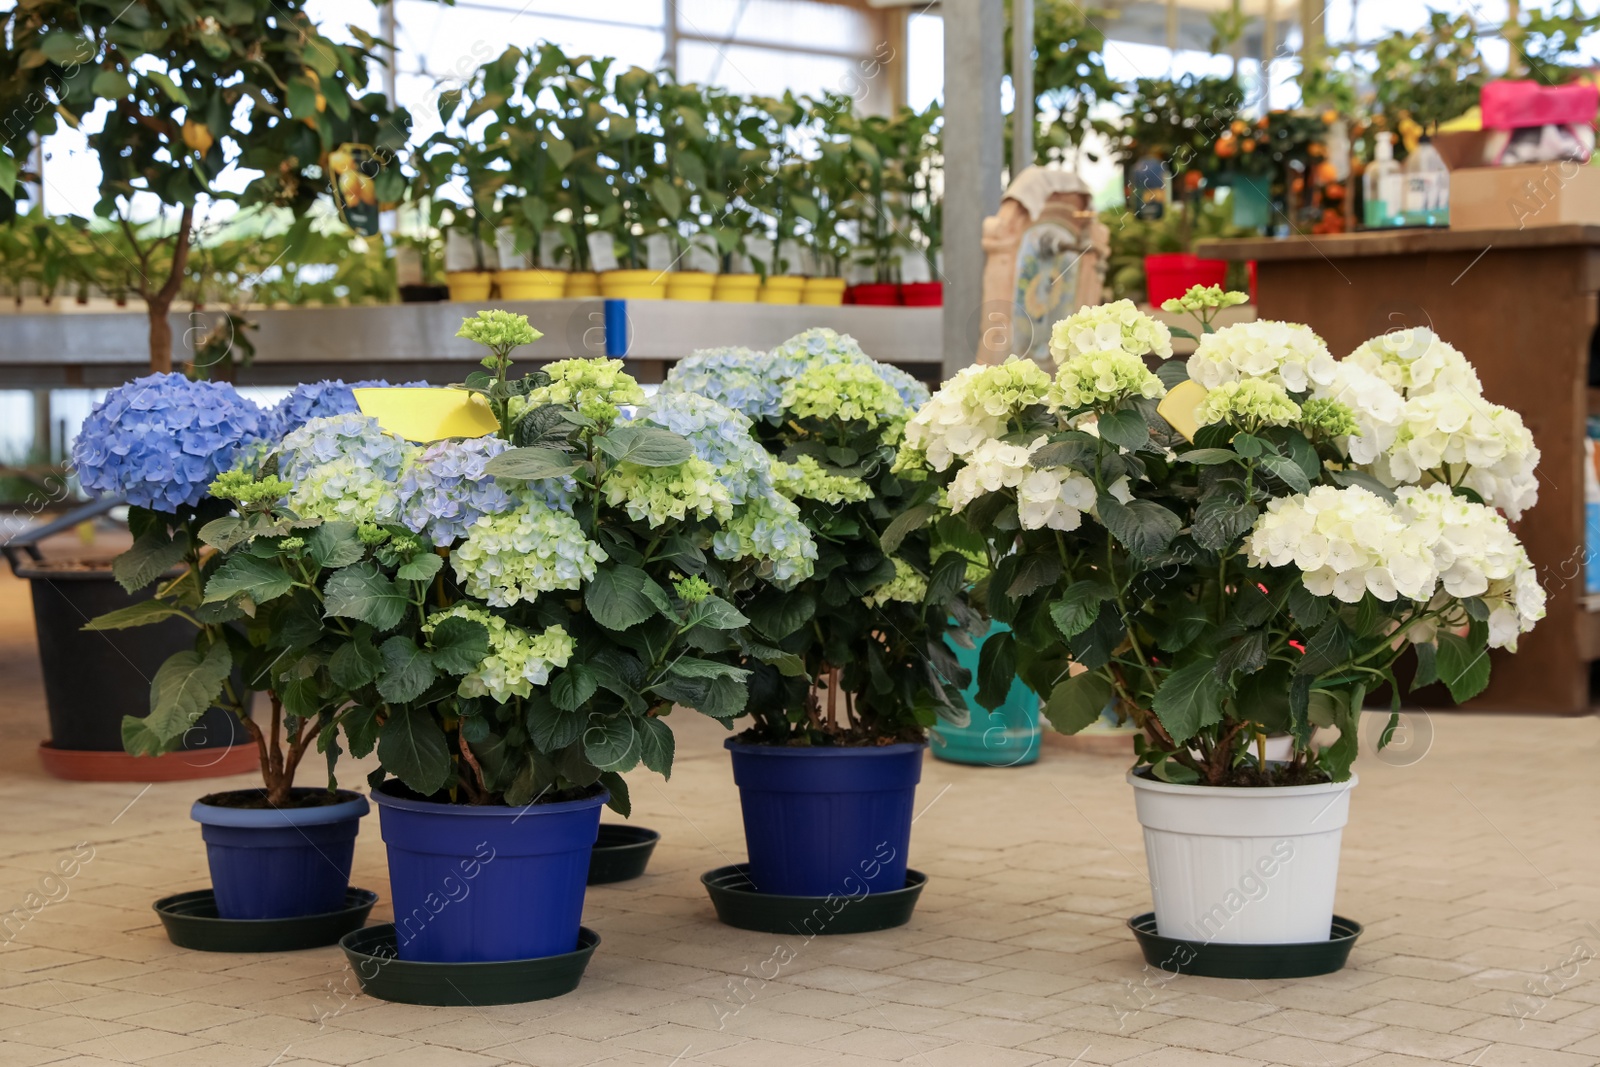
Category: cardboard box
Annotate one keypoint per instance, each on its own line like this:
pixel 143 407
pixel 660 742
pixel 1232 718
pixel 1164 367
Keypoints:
pixel 1530 194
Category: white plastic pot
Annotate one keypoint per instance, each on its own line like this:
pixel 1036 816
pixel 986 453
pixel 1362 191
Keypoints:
pixel 1243 865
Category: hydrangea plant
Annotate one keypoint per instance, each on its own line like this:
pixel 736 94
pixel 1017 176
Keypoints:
pixel 853 652
pixel 1328 520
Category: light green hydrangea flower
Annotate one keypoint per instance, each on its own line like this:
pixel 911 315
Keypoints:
pixel 1329 418
pixel 1205 298
pixel 498 330
pixel 344 489
pixel 906 585
pixel 692 590
pixel 596 387
pixel 511 558
pixel 517 661
pixel 1011 387
pixel 658 494
pixel 806 478
pixel 1117 326
pixel 769 529
pixel 845 391
pixel 1103 379
pixel 1251 404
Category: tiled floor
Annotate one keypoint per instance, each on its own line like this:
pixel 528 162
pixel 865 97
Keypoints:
pixel 1473 867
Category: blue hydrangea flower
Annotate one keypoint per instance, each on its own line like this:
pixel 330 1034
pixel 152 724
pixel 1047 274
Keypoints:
pixel 443 490
pixel 720 436
pixel 740 378
pixel 344 467
pixel 160 440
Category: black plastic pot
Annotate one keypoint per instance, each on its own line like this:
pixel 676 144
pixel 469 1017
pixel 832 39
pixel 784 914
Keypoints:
pixel 91 680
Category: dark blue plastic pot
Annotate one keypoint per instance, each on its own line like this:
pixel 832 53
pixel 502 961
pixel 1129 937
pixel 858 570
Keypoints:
pixel 280 863
pixel 484 884
pixel 820 821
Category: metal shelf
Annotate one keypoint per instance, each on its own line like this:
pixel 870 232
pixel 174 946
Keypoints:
pixel 417 341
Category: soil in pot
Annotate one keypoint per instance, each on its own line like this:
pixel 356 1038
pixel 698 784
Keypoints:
pixel 279 862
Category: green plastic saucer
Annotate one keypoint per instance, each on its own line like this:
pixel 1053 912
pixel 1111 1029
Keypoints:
pixel 384 975
pixel 1216 959
pixel 620 853
pixel 192 921
pixel 738 904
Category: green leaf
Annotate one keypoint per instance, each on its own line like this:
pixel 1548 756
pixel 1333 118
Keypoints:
pixel 109 84
pixel 408 670
pixel 1285 470
pixel 66 48
pixel 412 747
pixel 1328 648
pixel 1175 372
pixel 1463 665
pixel 1125 428
pixel 1035 572
pixel 648 446
pixel 997 668
pixel 1219 519
pixel 226 533
pixel 904 524
pixel 716 613
pixel 778 614
pixel 720 698
pixel 1427 666
pixel 360 730
pixel 1076 450
pixel 656 746
pixel 617 787
pixel 695 667
pixel 1078 606
pixel 1189 699
pixel 1246 654
pixel 1169 770
pixel 184 687
pixel 611 744
pixel 1363 480
pixel 173 91
pixel 335 544
pixel 1143 527
pixel 420 567
pixel 459 645
pixel 1308 608
pixel 531 464
pixel 142 613
pixel 151 555
pixel 260 580
pixel 354 664
pixel 1078 701
pixel 363 594
pixel 1250 446
pixel 573 687
pixel 617 597
pixel 1206 457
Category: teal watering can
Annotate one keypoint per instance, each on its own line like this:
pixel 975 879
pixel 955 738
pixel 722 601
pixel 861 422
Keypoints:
pixel 1005 737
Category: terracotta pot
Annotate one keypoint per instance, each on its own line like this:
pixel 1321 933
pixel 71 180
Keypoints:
pixel 83 765
pixel 469 286
pixel 736 288
pixel 531 284
pixel 690 285
pixel 922 294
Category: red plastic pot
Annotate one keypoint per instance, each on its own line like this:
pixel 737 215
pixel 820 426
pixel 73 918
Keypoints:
pixel 878 294
pixel 1169 275
pixel 922 294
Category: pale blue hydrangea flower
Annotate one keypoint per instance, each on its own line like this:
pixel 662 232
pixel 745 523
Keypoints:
pixel 160 441
pixel 739 378
pixel 444 490
pixel 513 557
pixel 720 436
pixel 769 529
pixel 344 467
pixel 820 345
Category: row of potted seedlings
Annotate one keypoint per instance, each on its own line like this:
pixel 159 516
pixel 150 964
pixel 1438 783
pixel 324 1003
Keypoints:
pixel 506 588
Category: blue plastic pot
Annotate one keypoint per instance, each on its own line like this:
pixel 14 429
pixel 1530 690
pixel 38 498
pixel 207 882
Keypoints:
pixel 484 884
pixel 820 821
pixel 280 863
pixel 1005 737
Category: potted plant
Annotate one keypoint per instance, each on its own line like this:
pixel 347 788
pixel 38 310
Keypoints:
pixel 734 174
pixel 858 669
pixel 1255 557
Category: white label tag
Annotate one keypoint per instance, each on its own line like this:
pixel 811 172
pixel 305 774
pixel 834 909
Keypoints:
pixel 602 251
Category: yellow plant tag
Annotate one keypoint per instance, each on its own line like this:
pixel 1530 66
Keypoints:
pixel 1180 405
pixel 424 415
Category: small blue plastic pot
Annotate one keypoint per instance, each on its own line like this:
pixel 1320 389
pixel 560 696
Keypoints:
pixel 280 863
pixel 484 884
pixel 1008 736
pixel 821 821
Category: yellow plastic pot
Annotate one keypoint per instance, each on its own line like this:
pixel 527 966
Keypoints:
pixel 633 285
pixel 823 292
pixel 690 285
pixel 583 283
pixel 469 286
pixel 736 288
pixel 782 289
pixel 531 284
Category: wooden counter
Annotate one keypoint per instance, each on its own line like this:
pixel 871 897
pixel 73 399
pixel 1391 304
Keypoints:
pixel 1522 305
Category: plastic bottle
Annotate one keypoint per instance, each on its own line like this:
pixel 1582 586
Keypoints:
pixel 1427 186
pixel 1383 185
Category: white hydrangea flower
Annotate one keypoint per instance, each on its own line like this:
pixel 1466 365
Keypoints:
pixel 1347 542
pixel 1378 407
pixel 993 466
pixel 1416 362
pixel 1047 498
pixel 972 408
pixel 1466 441
pixel 1287 353
pixel 1117 326
pixel 1109 377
